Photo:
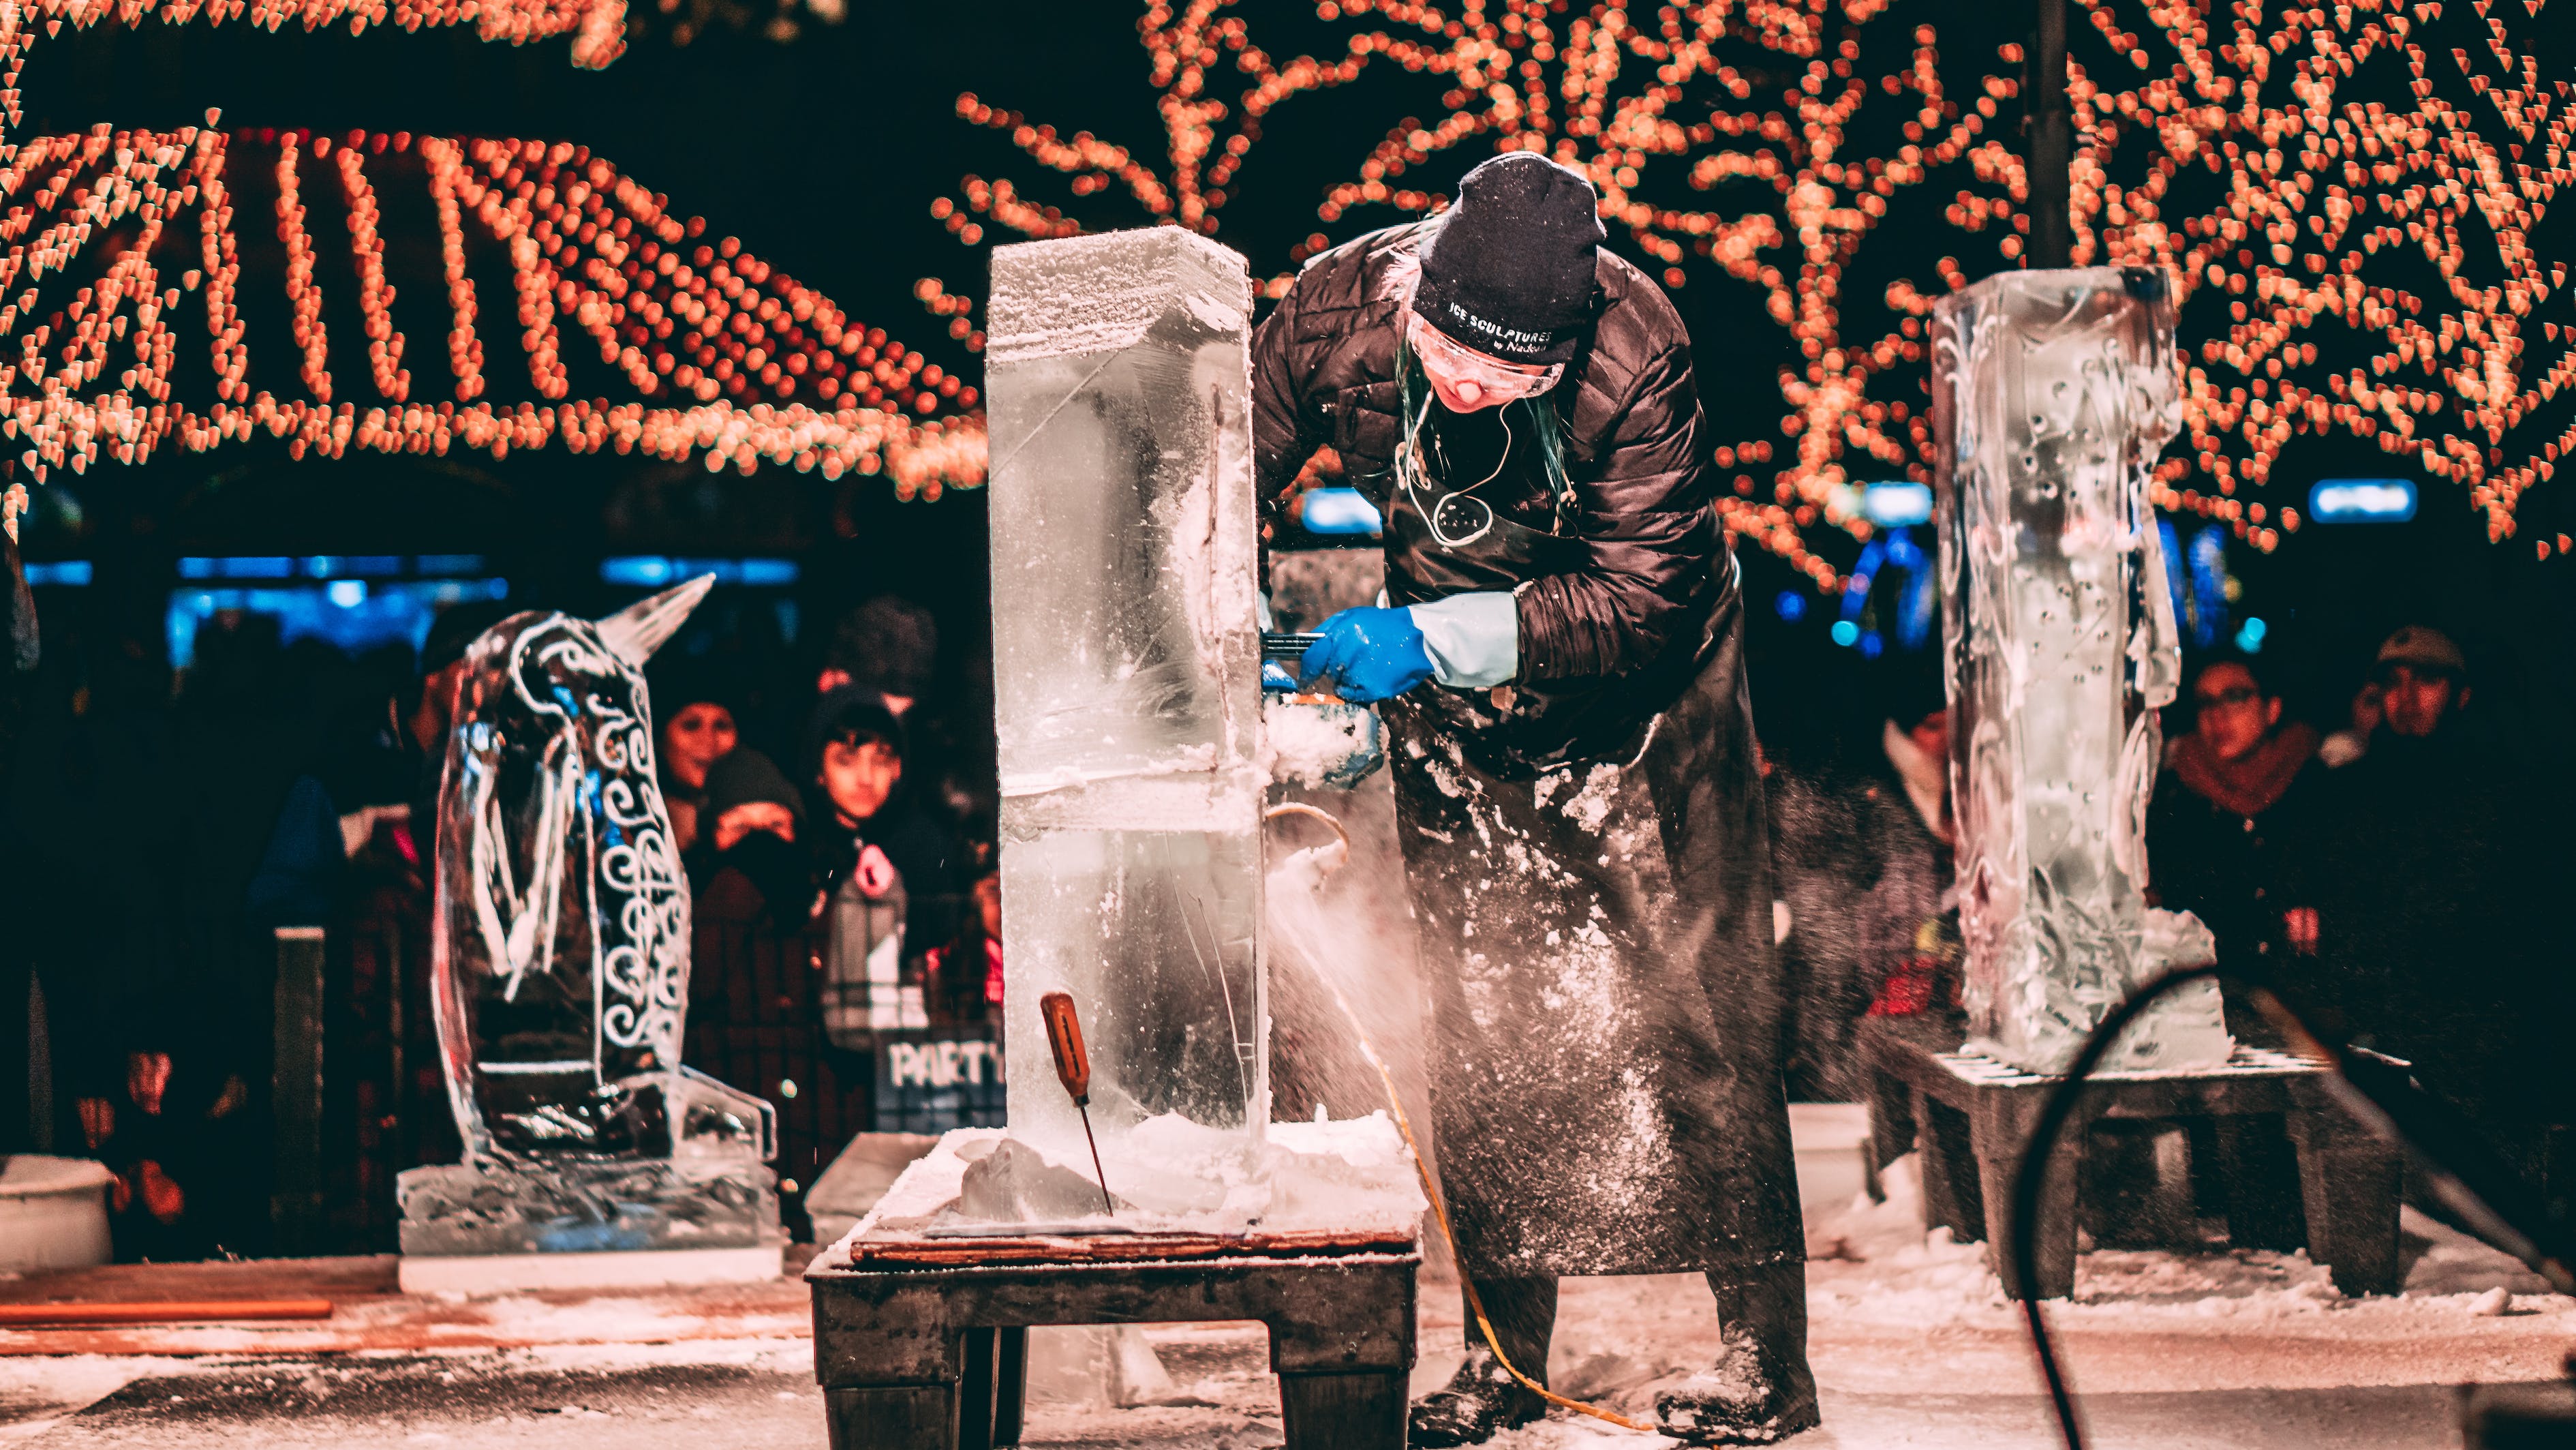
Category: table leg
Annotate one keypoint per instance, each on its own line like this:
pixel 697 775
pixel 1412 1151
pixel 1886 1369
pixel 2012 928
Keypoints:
pixel 892 1370
pixel 2351 1180
pixel 1359 1410
pixel 1010 1384
pixel 1951 1197
pixel 975 1392
pixel 898 1417
pixel 2002 1130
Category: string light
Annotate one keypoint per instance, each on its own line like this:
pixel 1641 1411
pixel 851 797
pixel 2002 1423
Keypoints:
pixel 1770 107
pixel 727 358
pixel 2321 167
pixel 597 27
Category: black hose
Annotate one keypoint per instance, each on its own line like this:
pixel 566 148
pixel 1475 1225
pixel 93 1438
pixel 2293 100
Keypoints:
pixel 2467 1175
pixel 2034 1169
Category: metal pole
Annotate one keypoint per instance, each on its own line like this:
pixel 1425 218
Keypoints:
pixel 296 1196
pixel 2051 128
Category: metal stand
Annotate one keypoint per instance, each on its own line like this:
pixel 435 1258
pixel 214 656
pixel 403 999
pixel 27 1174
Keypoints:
pixel 1971 1117
pixel 935 1358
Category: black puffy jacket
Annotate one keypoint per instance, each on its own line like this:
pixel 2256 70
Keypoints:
pixel 1323 367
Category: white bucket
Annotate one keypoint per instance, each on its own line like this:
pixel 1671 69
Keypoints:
pixel 53 1213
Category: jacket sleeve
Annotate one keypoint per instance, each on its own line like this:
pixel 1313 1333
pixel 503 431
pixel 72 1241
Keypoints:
pixel 1281 439
pixel 1642 510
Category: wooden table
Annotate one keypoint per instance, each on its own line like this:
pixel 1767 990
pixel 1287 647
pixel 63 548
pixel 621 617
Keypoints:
pixel 921 1343
pixel 1970 1116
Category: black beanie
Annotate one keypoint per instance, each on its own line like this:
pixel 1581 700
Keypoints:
pixel 744 776
pixel 1509 269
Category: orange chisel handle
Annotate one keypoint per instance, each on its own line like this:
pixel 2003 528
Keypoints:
pixel 1064 1039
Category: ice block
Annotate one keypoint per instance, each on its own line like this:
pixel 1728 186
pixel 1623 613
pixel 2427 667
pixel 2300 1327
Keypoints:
pixel 1127 672
pixel 2053 392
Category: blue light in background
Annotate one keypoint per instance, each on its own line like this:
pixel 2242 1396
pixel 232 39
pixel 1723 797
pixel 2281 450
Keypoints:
pixel 2362 500
pixel 1339 511
pixel 643 571
pixel 1856 588
pixel 348 613
pixel 1871 646
pixel 1791 606
pixel 436 564
pixel 656 571
pixel 1846 632
pixel 265 567
pixel 2249 638
pixel 2208 585
pixel 62 573
pixel 2177 576
pixel 1893 505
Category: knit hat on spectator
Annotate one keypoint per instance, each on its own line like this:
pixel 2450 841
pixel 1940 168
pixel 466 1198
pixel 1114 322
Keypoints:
pixel 2423 649
pixel 1509 269
pixel 888 645
pixel 848 712
pixel 745 776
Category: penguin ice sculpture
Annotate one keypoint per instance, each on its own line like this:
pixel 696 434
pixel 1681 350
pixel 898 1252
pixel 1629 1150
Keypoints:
pixel 559 967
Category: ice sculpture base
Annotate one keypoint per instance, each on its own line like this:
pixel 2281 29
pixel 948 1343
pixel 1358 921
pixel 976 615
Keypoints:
pixel 482 1275
pixel 1325 1177
pixel 588 1208
pixel 2040 1023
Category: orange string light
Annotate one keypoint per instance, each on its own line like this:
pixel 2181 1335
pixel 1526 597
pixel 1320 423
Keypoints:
pixel 776 372
pixel 1742 100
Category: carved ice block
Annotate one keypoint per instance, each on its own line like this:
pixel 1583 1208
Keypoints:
pixel 559 968
pixel 1127 671
pixel 2053 392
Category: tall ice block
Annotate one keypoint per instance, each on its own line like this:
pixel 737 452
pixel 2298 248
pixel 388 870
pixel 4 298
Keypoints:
pixel 1127 669
pixel 2052 393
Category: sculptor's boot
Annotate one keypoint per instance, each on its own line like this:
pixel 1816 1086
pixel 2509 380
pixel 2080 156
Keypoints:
pixel 1483 1399
pixel 1480 1402
pixel 1759 1391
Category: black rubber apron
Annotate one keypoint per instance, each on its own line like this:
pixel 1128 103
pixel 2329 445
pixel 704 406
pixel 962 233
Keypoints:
pixel 1596 933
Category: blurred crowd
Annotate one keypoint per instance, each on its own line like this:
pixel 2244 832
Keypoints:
pixel 2388 872
pixel 833 810
pixel 2388 878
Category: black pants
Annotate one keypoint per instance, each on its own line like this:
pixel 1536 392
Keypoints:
pixel 1769 1305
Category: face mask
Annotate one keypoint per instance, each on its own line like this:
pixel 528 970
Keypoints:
pixel 1451 364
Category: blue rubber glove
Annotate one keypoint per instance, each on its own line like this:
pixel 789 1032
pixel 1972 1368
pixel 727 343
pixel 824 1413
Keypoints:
pixel 1366 654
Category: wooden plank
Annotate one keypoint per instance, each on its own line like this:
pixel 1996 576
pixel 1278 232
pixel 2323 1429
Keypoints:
pixel 344 1279
pixel 1123 1249
pixel 201 1311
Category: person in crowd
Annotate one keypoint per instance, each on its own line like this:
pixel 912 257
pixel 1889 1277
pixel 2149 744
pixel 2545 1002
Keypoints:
pixel 697 730
pixel 887 644
pixel 2214 829
pixel 746 794
pixel 887 869
pixel 403 1119
pixel 755 991
pixel 2350 743
pixel 2416 902
pixel 1860 870
pixel 962 981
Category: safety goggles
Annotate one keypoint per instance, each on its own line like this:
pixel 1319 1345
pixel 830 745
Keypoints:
pixel 1452 363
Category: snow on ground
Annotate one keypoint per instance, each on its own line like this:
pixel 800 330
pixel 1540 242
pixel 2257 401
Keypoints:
pixel 1913 1343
